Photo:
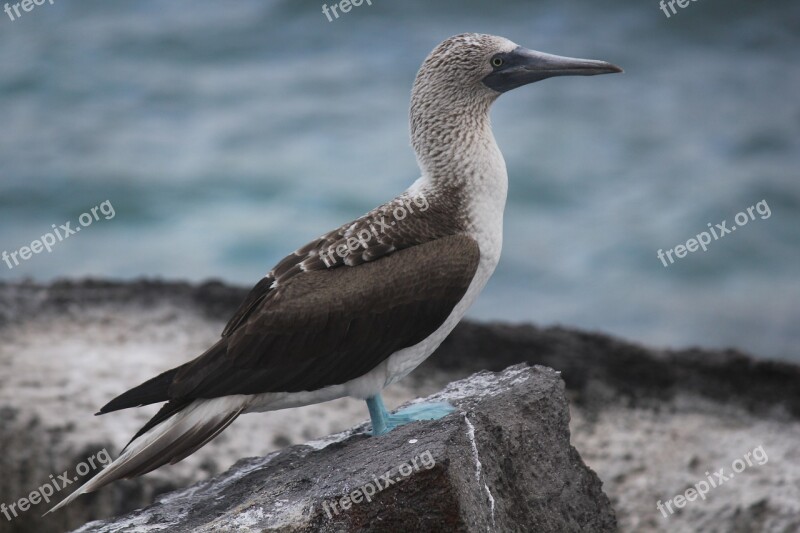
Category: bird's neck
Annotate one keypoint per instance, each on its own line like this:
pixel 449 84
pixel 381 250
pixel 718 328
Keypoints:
pixel 456 151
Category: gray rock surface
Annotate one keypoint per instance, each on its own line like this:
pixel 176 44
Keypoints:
pixel 501 462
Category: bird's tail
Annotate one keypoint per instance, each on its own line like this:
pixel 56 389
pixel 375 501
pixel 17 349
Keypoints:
pixel 172 439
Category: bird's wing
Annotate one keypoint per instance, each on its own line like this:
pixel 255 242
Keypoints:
pixel 402 223
pixel 326 327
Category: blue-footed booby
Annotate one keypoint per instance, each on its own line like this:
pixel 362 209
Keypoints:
pixel 348 314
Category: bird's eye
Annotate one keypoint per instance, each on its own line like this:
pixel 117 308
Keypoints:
pixel 497 62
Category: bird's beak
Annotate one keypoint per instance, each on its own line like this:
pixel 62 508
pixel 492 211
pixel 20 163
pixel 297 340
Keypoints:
pixel 522 66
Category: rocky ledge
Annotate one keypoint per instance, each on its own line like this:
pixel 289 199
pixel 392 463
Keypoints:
pixel 501 462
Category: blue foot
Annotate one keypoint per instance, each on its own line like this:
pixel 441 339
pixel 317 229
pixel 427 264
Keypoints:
pixel 383 421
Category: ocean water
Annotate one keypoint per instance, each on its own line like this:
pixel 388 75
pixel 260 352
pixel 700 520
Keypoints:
pixel 225 135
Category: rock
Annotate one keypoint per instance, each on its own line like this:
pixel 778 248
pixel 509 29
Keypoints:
pixel 501 462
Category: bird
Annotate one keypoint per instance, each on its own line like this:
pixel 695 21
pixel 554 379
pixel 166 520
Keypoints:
pixel 360 307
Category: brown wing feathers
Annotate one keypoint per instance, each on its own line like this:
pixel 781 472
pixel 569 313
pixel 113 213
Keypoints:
pixel 328 327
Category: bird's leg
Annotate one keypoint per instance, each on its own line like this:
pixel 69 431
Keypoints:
pixel 383 421
pixel 378 415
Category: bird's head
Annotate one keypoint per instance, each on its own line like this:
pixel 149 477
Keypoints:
pixel 457 84
pixel 480 67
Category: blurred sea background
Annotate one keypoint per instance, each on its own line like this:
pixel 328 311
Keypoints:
pixel 227 134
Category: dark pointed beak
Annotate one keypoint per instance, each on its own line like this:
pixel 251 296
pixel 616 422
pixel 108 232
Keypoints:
pixel 522 66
